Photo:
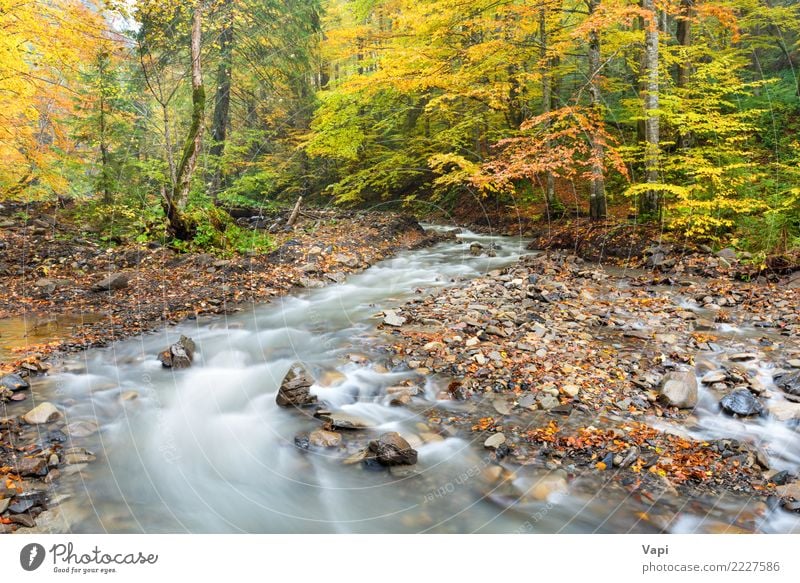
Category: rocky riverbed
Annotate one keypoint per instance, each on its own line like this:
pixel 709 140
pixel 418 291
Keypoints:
pixel 630 377
pixel 461 387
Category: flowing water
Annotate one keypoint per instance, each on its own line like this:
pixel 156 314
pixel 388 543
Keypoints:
pixel 208 450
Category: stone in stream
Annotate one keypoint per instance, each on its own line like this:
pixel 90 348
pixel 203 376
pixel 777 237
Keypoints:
pixel 14 382
pixel 715 376
pixel 31 466
pixel 42 413
pixel 78 455
pixel 322 438
pixel 495 441
pixel 390 449
pixel 789 383
pixel 476 249
pixel 179 355
pixel 295 389
pixel 391 318
pixel 741 402
pixel 345 420
pixel 112 282
pixel 679 389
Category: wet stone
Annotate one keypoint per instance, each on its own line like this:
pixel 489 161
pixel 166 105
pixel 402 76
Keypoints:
pixel 391 449
pixel 741 402
pixel 14 382
pixel 295 390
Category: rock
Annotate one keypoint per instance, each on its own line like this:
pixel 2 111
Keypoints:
pixel 4 502
pixel 323 438
pixel 128 396
pixel 789 383
pixel 727 254
pixel 179 355
pixel 548 402
pixel 22 519
pixel 715 376
pixel 112 282
pixel 82 428
pixel 46 285
pixel 14 382
pixel 31 466
pixel 391 318
pixel 77 455
pixel 42 413
pixel 27 500
pixel 345 421
pixel 571 390
pixel 741 402
pixel 741 357
pixel 295 389
pixel 502 406
pixel 495 441
pixel 679 389
pixel 390 449
pixel 476 249
pixel 794 363
pixel 784 410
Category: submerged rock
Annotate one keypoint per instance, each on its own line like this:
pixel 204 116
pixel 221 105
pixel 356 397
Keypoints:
pixel 390 449
pixel 295 389
pixel 741 402
pixel 679 389
pixel 179 355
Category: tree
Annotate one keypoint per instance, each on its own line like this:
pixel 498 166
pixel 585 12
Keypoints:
pixel 650 203
pixel 597 194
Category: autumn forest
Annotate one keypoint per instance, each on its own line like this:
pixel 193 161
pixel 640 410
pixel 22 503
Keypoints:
pixel 682 112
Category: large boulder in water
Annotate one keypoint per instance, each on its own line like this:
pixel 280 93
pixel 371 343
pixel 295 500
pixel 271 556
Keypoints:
pixel 679 389
pixel 179 355
pixel 390 449
pixel 741 402
pixel 295 389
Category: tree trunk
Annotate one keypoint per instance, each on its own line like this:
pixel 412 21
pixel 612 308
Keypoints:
pixel 222 103
pixel 175 200
pixel 684 35
pixel 553 204
pixel 650 203
pixel 597 195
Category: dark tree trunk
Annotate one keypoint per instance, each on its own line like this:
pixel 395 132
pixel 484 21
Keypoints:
pixel 597 194
pixel 222 103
